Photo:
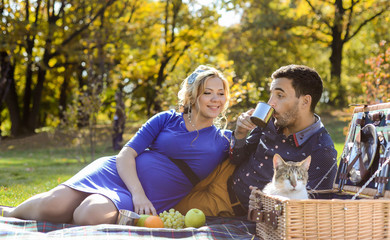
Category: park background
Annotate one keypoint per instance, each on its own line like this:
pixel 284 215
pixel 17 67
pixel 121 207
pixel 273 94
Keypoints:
pixel 62 63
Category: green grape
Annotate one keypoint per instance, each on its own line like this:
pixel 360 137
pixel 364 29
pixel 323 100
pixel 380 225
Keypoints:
pixel 172 219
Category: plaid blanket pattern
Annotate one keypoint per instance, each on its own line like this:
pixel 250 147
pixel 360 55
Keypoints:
pixel 215 228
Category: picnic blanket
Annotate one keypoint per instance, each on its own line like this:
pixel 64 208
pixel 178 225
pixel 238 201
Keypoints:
pixel 215 228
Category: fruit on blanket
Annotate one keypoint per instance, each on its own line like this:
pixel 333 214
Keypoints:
pixel 154 222
pixel 172 219
pixel 194 218
pixel 141 220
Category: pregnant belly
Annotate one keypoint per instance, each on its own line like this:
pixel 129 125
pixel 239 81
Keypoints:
pixel 159 177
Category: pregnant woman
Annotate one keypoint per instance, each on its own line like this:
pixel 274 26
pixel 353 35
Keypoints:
pixel 154 170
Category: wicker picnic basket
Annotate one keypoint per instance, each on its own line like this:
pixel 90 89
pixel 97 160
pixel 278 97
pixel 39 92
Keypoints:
pixel 348 211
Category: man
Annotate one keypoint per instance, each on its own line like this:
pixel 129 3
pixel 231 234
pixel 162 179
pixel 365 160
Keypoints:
pixel 294 132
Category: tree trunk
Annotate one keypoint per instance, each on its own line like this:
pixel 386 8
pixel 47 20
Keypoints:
pixel 34 120
pixel 63 96
pixel 82 116
pixel 17 128
pixel 62 102
pixel 5 68
pixel 156 103
pixel 337 55
pixel 335 71
pixel 11 97
pixel 28 85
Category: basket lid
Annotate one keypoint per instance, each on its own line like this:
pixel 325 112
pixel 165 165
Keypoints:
pixel 363 152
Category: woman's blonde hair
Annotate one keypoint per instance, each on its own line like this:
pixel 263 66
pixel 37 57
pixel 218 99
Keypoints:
pixel 193 86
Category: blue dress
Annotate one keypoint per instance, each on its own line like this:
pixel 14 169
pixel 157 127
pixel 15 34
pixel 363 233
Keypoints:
pixel 164 135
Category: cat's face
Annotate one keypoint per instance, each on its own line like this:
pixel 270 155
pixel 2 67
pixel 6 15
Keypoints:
pixel 290 176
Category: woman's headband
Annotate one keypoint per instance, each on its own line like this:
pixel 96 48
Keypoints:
pixel 192 77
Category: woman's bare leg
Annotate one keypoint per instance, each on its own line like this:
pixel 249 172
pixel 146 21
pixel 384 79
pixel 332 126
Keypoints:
pixel 95 209
pixel 56 205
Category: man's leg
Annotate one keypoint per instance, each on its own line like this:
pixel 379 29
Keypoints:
pixel 211 194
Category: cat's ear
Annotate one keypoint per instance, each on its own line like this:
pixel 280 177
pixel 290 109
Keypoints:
pixel 306 163
pixel 278 161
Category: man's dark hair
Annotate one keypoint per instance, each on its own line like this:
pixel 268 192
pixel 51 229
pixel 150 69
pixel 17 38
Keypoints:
pixel 305 81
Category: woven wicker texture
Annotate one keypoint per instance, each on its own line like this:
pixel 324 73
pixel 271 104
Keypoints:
pixel 326 219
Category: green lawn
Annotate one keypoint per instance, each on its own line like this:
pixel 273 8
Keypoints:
pixel 36 164
pixel 24 173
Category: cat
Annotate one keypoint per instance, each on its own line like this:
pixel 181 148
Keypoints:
pixel 290 178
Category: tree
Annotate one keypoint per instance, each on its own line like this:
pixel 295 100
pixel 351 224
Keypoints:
pixel 43 34
pixel 6 71
pixel 261 43
pixel 376 82
pixel 335 23
pixel 275 33
pixel 166 32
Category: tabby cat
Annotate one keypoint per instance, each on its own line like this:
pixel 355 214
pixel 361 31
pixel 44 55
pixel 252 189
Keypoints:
pixel 290 178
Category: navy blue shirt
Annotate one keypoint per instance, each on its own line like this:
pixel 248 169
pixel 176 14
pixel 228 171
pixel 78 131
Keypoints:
pixel 255 153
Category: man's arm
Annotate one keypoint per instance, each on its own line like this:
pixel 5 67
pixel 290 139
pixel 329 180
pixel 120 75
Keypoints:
pixel 239 151
pixel 242 149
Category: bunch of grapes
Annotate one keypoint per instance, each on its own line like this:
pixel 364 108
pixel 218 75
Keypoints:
pixel 172 219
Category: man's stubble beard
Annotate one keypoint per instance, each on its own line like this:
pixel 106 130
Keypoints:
pixel 288 118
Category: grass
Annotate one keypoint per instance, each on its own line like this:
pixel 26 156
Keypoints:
pixel 33 172
pixel 38 163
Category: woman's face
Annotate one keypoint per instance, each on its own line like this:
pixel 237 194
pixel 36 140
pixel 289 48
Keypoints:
pixel 212 100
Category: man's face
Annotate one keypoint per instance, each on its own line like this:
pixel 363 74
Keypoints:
pixel 285 103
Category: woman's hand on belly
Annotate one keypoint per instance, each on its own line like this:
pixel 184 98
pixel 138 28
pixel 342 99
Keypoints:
pixel 126 167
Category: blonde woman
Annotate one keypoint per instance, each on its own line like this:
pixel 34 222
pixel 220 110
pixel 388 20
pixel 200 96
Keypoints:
pixel 158 167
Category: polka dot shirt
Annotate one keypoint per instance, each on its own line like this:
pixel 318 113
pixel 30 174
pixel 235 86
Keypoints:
pixel 254 156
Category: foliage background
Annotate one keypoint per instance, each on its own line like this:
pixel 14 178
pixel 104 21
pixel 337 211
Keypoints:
pixel 62 61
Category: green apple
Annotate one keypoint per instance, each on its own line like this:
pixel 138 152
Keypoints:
pixel 194 218
pixel 141 220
